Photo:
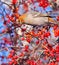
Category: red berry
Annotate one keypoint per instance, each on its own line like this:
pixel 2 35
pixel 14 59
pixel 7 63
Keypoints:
pixel 22 38
pixel 56 33
pixel 10 63
pixel 52 63
pixel 10 56
pixel 57 59
pixel 28 40
pixel 57 49
pixel 55 27
pixel 43 3
pixel 14 1
pixel 26 48
pixel 47 34
pixel 57 18
pixel 37 42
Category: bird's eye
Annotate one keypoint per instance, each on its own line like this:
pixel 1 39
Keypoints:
pixel 55 4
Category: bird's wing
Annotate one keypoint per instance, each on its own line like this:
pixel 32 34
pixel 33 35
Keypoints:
pixel 35 18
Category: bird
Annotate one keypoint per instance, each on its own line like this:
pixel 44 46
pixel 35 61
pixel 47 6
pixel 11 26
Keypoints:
pixel 36 18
